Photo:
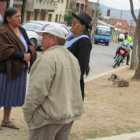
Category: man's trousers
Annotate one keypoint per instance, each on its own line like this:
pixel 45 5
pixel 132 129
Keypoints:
pixel 51 132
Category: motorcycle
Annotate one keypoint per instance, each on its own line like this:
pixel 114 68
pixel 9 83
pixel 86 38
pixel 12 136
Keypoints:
pixel 122 52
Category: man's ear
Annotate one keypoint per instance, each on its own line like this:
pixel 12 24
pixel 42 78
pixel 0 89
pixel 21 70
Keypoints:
pixel 55 39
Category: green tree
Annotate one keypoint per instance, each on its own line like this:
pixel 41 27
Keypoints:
pixel 68 17
pixel 100 16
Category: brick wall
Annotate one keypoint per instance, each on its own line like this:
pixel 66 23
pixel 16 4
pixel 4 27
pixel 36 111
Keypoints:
pixel 3 6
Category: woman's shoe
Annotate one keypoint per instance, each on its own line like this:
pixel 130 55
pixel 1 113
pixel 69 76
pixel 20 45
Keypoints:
pixel 9 124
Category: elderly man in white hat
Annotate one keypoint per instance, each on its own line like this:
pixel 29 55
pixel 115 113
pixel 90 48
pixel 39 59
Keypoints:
pixel 53 99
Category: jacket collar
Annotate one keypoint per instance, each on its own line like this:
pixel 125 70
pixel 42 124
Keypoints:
pixel 54 47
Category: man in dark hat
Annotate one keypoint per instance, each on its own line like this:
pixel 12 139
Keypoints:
pixel 79 44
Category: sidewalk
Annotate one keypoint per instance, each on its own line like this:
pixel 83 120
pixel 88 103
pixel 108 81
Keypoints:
pixel 79 126
pixel 131 136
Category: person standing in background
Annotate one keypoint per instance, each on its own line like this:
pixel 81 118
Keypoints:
pixel 79 44
pixel 15 53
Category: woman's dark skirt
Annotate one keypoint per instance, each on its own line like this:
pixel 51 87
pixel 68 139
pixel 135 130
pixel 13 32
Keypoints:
pixel 12 93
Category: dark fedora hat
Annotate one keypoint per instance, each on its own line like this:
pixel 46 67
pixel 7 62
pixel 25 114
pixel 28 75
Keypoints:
pixel 83 17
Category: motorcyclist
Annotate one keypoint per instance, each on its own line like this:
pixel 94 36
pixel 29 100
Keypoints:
pixel 127 39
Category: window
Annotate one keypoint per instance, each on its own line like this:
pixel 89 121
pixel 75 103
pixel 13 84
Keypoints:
pixel 42 15
pixel 35 15
pixel 67 5
pixel 28 16
pixel 82 7
pixel 102 31
pixel 59 18
pixel 78 6
pixel 56 18
pixel 50 17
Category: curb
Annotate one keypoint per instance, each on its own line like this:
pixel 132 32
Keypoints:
pixel 129 136
pixel 103 74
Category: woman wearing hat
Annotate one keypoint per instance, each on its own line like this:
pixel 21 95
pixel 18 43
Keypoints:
pixel 79 44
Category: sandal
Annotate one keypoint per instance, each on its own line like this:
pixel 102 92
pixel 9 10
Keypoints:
pixel 8 124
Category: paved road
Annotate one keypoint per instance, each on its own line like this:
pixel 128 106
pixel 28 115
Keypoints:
pixel 101 59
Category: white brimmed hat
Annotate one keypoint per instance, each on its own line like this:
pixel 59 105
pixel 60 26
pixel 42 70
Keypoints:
pixel 55 30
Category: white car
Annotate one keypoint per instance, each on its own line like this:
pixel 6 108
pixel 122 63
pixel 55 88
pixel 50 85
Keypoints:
pixel 33 26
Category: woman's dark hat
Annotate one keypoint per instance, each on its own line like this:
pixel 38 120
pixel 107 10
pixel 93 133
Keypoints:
pixel 84 18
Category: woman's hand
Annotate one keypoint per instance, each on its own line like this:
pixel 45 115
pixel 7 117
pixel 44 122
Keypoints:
pixel 27 57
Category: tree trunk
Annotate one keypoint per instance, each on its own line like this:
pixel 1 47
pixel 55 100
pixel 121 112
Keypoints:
pixel 134 51
pixel 137 72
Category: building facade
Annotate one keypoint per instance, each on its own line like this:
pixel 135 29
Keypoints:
pixel 79 4
pixel 48 10
pixel 91 8
pixel 58 14
pixel 39 9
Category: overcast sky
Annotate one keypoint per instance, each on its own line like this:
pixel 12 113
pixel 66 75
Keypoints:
pixel 119 4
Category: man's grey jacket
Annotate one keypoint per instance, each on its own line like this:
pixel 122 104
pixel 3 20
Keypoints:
pixel 54 94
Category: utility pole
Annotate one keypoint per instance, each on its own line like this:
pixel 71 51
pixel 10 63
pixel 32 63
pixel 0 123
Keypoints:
pixel 130 27
pixel 121 15
pixel 94 21
pixel 23 11
pixel 95 13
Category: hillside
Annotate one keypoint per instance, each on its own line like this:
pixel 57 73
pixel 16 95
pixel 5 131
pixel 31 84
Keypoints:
pixel 119 14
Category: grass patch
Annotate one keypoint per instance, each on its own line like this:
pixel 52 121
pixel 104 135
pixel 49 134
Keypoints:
pixel 73 136
pixel 97 133
pixel 104 133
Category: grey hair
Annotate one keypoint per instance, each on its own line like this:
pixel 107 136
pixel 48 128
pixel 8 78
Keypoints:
pixel 61 41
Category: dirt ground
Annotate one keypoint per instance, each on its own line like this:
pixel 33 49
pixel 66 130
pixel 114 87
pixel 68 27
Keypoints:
pixel 109 110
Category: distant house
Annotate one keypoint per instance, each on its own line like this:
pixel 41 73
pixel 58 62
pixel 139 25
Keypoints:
pixel 121 25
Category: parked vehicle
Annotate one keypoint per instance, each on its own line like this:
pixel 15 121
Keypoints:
pixel 102 34
pixel 69 27
pixel 123 51
pixel 35 26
